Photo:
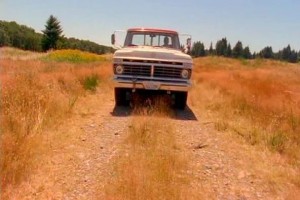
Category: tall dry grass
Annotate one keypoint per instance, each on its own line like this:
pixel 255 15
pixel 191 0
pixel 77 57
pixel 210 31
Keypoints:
pixel 37 95
pixel 258 99
pixel 18 54
pixel 152 105
pixel 152 166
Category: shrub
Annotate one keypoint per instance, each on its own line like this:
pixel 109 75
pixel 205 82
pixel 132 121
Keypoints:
pixel 91 82
pixel 277 142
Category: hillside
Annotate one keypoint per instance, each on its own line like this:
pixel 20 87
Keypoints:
pixel 20 36
pixel 63 138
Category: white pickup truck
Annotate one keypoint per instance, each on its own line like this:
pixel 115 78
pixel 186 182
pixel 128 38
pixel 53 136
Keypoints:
pixel 152 60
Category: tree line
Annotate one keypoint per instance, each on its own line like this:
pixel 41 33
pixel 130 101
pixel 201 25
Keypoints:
pixel 23 37
pixel 223 48
pixel 20 36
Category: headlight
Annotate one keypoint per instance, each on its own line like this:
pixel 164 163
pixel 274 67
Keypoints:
pixel 185 73
pixel 119 69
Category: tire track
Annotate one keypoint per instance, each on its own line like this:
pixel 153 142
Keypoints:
pixel 224 167
pixel 81 149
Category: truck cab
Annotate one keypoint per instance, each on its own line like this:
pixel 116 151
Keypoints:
pixel 152 60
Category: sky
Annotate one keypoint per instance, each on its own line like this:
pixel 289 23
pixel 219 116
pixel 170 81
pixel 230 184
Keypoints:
pixel 257 23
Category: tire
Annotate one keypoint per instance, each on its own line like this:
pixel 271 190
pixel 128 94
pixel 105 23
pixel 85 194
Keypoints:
pixel 120 97
pixel 180 100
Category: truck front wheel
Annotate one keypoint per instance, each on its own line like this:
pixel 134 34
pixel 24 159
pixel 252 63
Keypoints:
pixel 180 100
pixel 120 97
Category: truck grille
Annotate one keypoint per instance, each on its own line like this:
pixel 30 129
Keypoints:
pixel 156 69
pixel 169 72
pixel 137 70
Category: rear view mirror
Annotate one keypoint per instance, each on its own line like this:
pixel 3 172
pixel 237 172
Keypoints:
pixel 113 39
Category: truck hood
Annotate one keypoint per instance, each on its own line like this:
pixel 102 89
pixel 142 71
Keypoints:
pixel 153 53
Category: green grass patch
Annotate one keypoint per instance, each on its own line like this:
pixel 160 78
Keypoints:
pixel 91 82
pixel 277 142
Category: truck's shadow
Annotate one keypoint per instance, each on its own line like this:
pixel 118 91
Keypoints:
pixel 186 114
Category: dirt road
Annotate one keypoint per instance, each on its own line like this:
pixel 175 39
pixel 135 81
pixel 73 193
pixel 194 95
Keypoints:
pixel 82 151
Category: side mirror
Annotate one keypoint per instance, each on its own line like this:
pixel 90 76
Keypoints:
pixel 113 39
pixel 188 45
pixel 186 40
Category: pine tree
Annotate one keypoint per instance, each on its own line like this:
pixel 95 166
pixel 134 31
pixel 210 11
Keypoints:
pixel 246 53
pixel 198 49
pixel 267 52
pixel 52 33
pixel 211 50
pixel 286 53
pixel 237 50
pixel 221 47
pixel 254 55
pixel 228 50
pixel 293 57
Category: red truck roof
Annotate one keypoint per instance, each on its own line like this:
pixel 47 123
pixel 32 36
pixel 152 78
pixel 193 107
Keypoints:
pixel 153 30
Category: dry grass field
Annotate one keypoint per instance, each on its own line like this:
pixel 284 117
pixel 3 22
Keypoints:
pixel 38 91
pixel 256 102
pixel 258 99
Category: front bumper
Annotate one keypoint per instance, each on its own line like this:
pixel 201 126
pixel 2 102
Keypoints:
pixel 152 84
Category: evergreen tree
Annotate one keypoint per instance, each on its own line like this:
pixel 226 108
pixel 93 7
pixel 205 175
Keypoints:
pixel 237 50
pixel 198 49
pixel 246 53
pixel 286 53
pixel 221 47
pixel 293 57
pixel 52 33
pixel 267 52
pixel 228 50
pixel 254 55
pixel 211 50
pixel 278 55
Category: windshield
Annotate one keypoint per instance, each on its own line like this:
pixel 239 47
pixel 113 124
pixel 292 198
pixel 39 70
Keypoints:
pixel 165 40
